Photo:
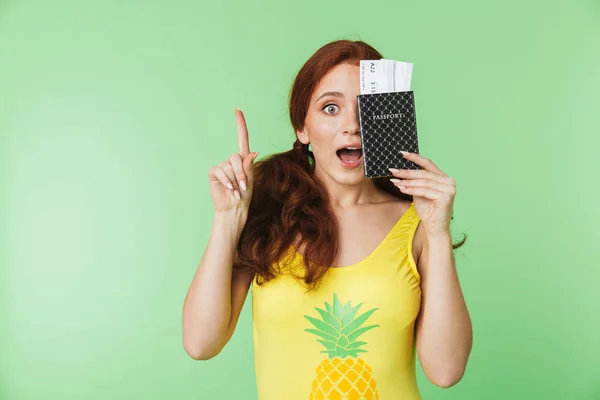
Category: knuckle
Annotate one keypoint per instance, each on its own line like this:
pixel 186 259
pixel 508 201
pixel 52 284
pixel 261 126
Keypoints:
pixel 225 166
pixel 214 170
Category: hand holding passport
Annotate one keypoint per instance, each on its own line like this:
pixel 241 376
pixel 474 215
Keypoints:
pixel 386 111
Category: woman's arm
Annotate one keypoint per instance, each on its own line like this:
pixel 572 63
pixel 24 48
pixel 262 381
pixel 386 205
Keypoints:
pixel 217 293
pixel 443 329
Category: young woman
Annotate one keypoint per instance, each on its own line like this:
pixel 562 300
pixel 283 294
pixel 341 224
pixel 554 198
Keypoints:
pixel 350 277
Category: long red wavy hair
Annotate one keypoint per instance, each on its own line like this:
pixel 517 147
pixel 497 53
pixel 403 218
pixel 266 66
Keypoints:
pixel 289 202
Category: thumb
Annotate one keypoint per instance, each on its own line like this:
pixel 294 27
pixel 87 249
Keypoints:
pixel 248 164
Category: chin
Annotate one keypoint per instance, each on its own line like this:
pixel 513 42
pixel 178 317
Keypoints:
pixel 350 177
pixel 346 176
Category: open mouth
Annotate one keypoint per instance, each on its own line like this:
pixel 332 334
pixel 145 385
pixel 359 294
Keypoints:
pixel 350 157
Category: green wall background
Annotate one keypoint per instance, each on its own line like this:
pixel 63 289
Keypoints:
pixel 112 112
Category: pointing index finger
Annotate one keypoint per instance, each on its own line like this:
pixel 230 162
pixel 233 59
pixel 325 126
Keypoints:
pixel 242 131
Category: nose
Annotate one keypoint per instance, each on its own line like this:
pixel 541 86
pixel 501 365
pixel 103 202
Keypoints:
pixel 351 125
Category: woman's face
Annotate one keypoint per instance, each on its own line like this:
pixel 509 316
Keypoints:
pixel 332 123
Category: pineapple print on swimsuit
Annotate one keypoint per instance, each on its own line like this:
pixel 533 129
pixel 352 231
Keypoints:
pixel 343 374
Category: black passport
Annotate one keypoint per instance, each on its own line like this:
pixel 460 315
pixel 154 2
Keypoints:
pixel 387 125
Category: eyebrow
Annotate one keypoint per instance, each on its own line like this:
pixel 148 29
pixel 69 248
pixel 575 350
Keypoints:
pixel 336 94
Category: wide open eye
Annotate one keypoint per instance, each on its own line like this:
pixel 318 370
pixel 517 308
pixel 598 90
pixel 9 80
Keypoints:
pixel 330 108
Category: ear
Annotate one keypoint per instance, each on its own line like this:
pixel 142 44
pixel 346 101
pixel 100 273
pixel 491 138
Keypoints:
pixel 303 136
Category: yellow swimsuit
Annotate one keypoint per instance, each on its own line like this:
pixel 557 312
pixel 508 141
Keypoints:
pixel 352 338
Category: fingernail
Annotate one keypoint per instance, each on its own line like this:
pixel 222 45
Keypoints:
pixel 237 108
pixel 394 170
pixel 237 194
pixel 243 185
pixel 229 185
pixel 255 155
pixel 404 152
pixel 396 181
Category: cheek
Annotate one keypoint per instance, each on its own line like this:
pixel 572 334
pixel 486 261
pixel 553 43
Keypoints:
pixel 323 128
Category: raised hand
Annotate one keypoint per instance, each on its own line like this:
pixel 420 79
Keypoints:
pixel 231 181
pixel 433 192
